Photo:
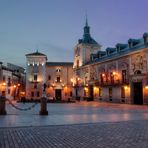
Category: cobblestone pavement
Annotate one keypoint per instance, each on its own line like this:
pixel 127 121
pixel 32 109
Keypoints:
pixel 129 134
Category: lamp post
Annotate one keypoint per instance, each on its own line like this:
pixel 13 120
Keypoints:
pixel 43 110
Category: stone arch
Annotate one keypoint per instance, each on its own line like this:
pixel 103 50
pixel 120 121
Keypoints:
pixel 138 72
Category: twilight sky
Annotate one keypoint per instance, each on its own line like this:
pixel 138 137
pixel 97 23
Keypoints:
pixel 54 26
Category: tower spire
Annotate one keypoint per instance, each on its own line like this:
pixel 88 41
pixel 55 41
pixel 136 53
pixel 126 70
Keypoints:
pixel 86 23
pixel 86 27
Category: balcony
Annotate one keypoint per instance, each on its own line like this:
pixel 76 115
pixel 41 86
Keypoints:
pixel 112 83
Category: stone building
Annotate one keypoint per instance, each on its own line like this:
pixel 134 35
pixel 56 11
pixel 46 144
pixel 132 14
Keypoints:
pixel 118 74
pixel 12 81
pixel 56 76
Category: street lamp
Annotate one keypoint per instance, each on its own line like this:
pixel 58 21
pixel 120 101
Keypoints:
pixel 14 86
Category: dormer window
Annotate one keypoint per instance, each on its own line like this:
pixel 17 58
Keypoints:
pixel 145 37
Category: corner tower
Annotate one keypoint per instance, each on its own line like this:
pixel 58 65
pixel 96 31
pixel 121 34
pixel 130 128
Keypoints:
pixel 35 74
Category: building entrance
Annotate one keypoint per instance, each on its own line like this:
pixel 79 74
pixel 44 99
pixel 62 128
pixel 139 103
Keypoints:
pixel 137 93
pixel 58 94
pixel 91 93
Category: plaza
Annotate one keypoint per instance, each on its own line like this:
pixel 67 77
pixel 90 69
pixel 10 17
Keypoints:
pixel 80 124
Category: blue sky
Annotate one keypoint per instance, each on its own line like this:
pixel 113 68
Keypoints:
pixel 54 26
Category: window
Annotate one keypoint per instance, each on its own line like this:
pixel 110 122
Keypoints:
pixel 3 93
pixel 77 63
pixel 9 91
pixel 35 86
pixel 111 77
pixel 58 79
pixel 71 93
pixel 122 92
pixel 85 92
pixel 110 92
pixel 32 94
pixel 58 70
pixel 9 81
pixel 35 68
pixel 101 76
pixel 123 76
pixel 4 78
pixel 35 77
pixel 100 92
pixel 49 77
pixel 38 94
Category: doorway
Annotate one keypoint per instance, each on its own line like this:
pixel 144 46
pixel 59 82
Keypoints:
pixel 91 93
pixel 137 93
pixel 58 94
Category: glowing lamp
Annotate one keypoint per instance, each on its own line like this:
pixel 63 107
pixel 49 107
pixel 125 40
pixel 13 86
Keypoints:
pixel 4 84
pixel 125 87
pixel 146 87
pixel 114 73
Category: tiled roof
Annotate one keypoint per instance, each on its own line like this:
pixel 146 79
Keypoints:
pixel 36 54
pixel 59 63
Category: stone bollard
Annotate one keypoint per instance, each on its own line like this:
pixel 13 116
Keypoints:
pixel 43 110
pixel 3 105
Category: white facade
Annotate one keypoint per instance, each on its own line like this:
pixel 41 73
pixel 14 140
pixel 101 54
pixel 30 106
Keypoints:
pixel 55 75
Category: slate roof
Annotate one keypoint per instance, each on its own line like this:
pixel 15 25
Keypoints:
pixel 125 49
pixel 87 39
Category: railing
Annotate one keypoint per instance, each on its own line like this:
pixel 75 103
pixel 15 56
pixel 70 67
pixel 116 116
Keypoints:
pixel 113 83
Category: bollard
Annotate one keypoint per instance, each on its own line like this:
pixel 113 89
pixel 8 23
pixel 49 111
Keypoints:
pixel 3 105
pixel 43 110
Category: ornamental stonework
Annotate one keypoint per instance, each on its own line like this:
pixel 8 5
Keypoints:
pixel 93 73
pixel 138 62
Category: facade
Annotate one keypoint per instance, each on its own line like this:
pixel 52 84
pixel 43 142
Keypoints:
pixel 56 76
pixel 118 74
pixel 12 81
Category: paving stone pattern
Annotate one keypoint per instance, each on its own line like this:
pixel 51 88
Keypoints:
pixel 130 134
